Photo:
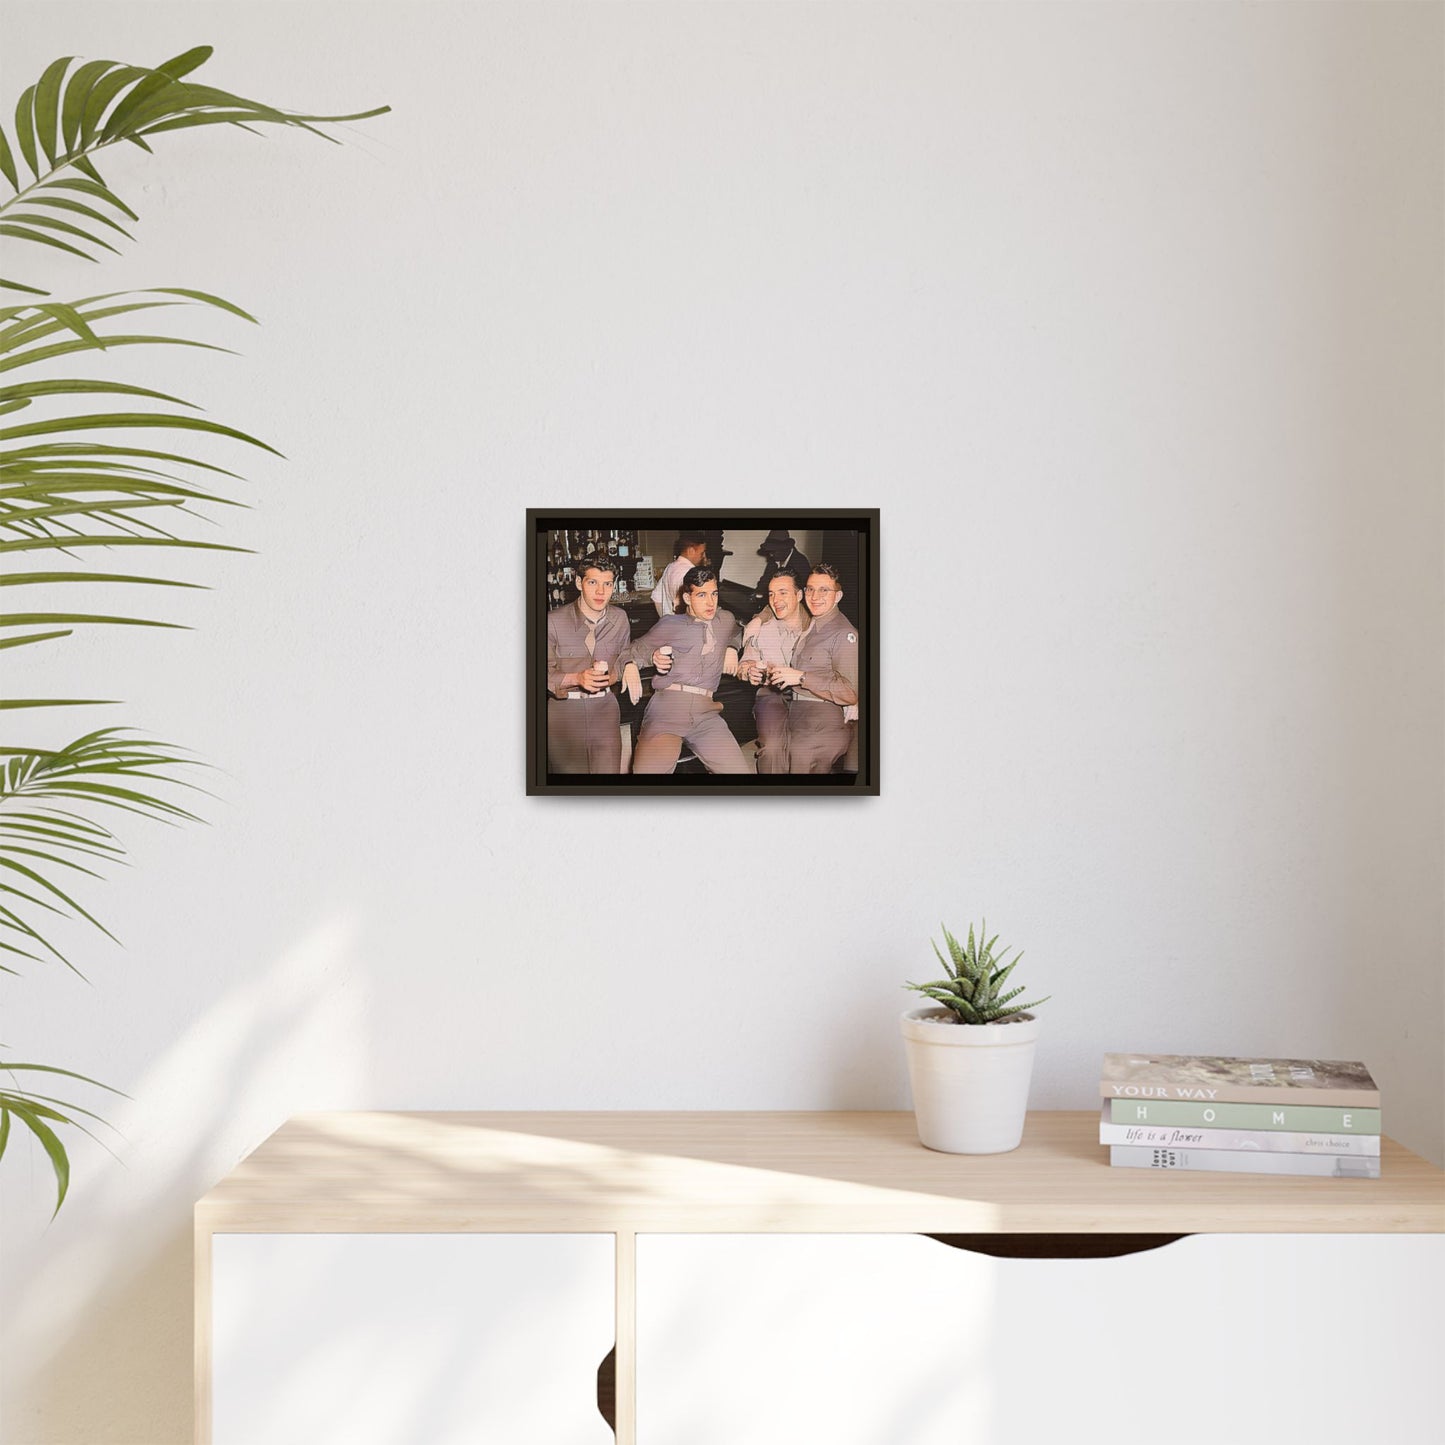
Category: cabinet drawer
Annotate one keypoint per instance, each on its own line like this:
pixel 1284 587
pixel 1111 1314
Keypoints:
pixel 392 1339
pixel 862 1339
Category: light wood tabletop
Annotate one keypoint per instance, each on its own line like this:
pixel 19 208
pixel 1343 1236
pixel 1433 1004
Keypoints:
pixel 751 1172
pixel 628 1174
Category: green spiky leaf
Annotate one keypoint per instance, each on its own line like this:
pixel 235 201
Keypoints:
pixel 974 989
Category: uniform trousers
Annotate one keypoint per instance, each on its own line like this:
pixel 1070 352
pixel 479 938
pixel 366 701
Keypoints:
pixel 817 735
pixel 674 717
pixel 584 734
pixel 770 712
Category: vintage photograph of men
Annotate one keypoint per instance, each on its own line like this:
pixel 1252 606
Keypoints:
pixel 702 652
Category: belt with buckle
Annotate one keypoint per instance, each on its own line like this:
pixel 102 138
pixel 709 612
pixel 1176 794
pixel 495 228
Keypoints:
pixel 582 692
pixel 683 687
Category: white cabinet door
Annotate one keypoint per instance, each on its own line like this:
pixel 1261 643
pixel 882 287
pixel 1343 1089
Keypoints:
pixel 397 1339
pixel 807 1340
pixel 900 1340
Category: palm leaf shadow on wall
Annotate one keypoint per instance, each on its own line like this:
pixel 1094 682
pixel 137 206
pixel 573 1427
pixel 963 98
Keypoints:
pixel 75 487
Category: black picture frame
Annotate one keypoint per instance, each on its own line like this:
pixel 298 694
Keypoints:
pixel 858 567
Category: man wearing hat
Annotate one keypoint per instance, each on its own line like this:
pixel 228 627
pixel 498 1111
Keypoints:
pixel 783 556
pixel 689 551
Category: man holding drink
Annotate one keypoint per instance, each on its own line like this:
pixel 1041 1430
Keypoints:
pixel 690 650
pixel 587 645
pixel 769 643
pixel 823 679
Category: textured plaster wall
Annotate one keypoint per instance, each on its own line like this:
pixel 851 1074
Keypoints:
pixel 1129 318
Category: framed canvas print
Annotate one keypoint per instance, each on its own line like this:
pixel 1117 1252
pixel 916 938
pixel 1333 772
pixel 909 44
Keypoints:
pixel 698 651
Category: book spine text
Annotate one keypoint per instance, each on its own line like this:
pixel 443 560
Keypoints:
pixel 1270 1141
pixel 1299 1118
pixel 1234 1161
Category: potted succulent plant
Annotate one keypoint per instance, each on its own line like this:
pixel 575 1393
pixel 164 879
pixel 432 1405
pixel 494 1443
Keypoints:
pixel 971 1057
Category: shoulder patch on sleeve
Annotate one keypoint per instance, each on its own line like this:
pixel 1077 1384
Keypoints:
pixel 852 637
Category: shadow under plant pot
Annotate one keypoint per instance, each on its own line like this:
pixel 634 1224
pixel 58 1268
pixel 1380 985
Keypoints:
pixel 970 1081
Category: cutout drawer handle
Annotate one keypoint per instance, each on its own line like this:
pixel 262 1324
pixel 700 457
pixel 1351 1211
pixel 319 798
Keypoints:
pixel 1056 1246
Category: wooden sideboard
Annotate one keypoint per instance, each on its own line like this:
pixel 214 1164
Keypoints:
pixel 627 1175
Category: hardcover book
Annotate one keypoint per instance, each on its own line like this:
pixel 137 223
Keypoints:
pixel 1301 1118
pixel 1234 1161
pixel 1260 1081
pixel 1263 1141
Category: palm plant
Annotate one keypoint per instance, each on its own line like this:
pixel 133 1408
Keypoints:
pixel 74 485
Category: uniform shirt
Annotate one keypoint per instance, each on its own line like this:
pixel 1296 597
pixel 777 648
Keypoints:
pixel 686 635
pixel 771 642
pixel 664 595
pixel 567 631
pixel 828 658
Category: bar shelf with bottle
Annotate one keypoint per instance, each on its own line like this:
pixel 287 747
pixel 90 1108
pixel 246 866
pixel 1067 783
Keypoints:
pixel 567 550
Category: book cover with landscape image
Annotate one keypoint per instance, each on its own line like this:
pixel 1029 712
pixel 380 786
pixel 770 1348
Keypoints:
pixel 1209 1078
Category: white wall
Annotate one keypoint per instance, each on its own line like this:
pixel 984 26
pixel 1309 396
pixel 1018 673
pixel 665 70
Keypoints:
pixel 1127 317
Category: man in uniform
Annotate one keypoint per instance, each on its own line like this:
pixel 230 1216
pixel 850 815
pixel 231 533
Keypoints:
pixel 691 549
pixel 697 643
pixel 771 642
pixel 587 645
pixel 824 679
pixel 783 556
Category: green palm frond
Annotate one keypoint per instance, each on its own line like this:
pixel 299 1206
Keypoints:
pixel 92 470
pixel 41 831
pixel 63 491
pixel 74 111
pixel 39 1113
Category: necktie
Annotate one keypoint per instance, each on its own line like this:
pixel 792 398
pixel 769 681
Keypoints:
pixel 707 641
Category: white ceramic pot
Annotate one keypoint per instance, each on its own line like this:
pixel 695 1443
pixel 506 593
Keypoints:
pixel 970 1081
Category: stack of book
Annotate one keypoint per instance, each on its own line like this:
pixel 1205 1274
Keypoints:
pixel 1244 1116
